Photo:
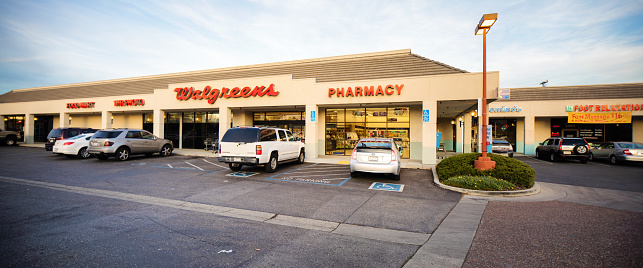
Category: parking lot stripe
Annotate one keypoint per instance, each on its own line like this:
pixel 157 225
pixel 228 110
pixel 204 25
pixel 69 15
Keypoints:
pixel 194 165
pixel 170 166
pixel 214 164
pixel 394 236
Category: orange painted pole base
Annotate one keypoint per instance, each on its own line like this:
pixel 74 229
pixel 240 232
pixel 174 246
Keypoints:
pixel 484 163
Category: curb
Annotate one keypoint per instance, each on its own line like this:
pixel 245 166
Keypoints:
pixel 531 191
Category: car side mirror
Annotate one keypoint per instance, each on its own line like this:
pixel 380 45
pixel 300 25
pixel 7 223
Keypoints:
pixel 400 148
pixel 540 143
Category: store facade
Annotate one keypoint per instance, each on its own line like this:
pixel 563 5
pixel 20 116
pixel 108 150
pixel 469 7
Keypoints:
pixel 597 113
pixel 329 102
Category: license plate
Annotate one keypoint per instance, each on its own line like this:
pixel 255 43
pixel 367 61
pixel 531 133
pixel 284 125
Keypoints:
pixel 372 158
pixel 567 152
pixel 237 159
pixel 55 149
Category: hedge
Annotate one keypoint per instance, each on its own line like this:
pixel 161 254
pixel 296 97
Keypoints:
pixel 508 169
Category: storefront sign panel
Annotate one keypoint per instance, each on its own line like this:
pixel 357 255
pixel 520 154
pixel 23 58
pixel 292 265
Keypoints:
pixel 604 108
pixel 212 94
pixel 79 105
pixel 599 118
pixel 359 91
pixel 132 102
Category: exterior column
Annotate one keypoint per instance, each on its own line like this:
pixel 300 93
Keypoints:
pixel 106 120
pixel 158 123
pixel 29 129
pixel 530 135
pixel 459 131
pixel 225 117
pixel 63 120
pixel 2 126
pixel 467 132
pixel 312 121
pixel 429 130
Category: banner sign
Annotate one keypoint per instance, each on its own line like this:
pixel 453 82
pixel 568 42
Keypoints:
pixel 599 118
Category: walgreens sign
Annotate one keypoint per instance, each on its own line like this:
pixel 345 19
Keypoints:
pixel 212 94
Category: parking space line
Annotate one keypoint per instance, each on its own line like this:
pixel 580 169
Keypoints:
pixel 213 164
pixel 170 166
pixel 194 165
pixel 303 175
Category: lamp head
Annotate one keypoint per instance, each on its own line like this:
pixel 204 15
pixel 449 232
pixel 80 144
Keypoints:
pixel 486 22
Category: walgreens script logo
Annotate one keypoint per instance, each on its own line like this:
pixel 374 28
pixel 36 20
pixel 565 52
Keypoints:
pixel 212 94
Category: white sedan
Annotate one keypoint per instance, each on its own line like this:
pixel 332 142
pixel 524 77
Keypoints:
pixel 74 146
pixel 376 155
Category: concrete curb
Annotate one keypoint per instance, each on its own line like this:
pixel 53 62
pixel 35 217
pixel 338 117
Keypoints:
pixel 531 191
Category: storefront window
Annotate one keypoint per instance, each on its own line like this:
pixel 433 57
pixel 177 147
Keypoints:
pixel 148 122
pixel 172 127
pixel 504 129
pixel 15 123
pixel 291 120
pixel 344 127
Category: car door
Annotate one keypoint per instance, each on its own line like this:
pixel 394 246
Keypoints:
pixel 284 148
pixel 150 144
pixel 134 141
pixel 292 144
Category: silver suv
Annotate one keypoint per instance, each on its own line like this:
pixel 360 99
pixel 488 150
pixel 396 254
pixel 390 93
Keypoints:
pixel 564 148
pixel 122 143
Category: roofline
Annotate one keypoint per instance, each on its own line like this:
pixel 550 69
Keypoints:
pixel 235 68
pixel 575 86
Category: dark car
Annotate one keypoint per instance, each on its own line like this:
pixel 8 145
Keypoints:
pixel 564 148
pixel 64 133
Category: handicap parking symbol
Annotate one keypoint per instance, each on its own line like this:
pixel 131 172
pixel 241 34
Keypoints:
pixel 387 186
pixel 242 174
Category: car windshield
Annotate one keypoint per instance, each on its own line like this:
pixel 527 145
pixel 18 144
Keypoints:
pixel 500 142
pixel 241 135
pixel 574 142
pixel 107 134
pixel 630 145
pixel 374 144
pixel 77 137
pixel 55 133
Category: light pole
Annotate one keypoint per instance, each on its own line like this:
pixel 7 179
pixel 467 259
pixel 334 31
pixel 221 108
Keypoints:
pixel 487 20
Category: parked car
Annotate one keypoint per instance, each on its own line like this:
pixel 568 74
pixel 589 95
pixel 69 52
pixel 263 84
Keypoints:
pixel 122 143
pixel 564 148
pixel 376 155
pixel 617 152
pixel 74 146
pixel 501 146
pixel 64 133
pixel 9 137
pixel 266 146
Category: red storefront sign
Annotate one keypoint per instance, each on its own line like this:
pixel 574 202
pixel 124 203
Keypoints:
pixel 365 91
pixel 78 105
pixel 132 102
pixel 212 94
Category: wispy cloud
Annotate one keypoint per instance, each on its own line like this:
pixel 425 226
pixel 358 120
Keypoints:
pixel 567 42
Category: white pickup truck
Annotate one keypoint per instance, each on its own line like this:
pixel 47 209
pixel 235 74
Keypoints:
pixel 266 146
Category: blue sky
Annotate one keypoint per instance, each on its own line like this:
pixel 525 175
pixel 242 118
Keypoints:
pixel 47 43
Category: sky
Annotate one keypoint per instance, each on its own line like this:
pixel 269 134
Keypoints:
pixel 49 42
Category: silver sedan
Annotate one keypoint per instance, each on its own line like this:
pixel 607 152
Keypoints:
pixel 617 152
pixel 376 155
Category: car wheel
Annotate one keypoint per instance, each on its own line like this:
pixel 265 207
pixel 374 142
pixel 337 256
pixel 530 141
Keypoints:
pixel 613 160
pixel 302 156
pixel 552 156
pixel 591 156
pixel 122 154
pixel 83 154
pixel 235 166
pixel 538 154
pixel 580 149
pixel 166 150
pixel 102 157
pixel 10 141
pixel 353 174
pixel 395 177
pixel 271 166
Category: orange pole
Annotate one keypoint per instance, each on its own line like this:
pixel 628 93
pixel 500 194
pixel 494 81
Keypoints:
pixel 484 93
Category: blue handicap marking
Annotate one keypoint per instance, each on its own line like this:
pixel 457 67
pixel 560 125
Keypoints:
pixel 425 112
pixel 387 186
pixel 242 174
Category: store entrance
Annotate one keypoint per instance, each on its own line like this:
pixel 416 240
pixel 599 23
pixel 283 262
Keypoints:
pixel 295 121
pixel 344 127
pixel 504 129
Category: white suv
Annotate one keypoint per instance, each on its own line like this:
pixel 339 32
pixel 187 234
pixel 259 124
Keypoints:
pixel 266 146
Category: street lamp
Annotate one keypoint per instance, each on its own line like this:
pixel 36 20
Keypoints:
pixel 487 20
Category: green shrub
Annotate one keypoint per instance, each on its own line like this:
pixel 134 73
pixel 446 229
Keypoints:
pixel 507 169
pixel 485 183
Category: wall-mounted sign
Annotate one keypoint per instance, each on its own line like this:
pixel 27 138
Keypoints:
pixel 365 91
pixel 600 118
pixel 212 94
pixel 133 102
pixel 504 109
pixel 79 105
pixel 425 116
pixel 312 116
pixel 503 93
pixel 605 108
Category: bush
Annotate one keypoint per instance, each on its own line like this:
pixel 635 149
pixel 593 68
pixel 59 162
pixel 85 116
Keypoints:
pixel 485 183
pixel 507 169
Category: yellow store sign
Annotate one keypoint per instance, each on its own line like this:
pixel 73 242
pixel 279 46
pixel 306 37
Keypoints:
pixel 599 118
